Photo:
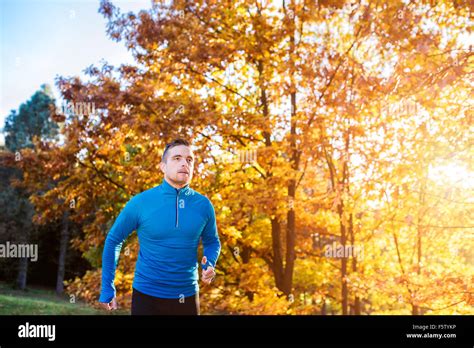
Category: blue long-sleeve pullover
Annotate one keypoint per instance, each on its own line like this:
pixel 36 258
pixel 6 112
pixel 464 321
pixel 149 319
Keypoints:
pixel 170 223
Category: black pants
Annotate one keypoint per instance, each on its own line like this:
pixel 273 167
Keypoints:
pixel 143 304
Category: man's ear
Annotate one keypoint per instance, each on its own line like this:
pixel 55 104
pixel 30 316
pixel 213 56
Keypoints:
pixel 162 167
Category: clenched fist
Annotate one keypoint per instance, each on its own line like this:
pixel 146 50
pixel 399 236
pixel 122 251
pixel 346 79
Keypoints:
pixel 112 305
pixel 208 274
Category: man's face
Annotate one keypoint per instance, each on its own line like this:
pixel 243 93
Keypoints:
pixel 179 165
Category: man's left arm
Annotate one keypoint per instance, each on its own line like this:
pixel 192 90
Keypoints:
pixel 211 244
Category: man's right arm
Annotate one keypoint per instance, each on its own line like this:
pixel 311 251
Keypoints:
pixel 124 225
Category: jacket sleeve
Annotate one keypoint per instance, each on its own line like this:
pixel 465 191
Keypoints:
pixel 124 225
pixel 210 239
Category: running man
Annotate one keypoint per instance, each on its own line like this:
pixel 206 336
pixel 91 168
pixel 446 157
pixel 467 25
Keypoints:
pixel 170 220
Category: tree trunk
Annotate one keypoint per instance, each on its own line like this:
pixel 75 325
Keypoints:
pixel 344 290
pixel 419 234
pixel 277 254
pixel 22 273
pixel 291 217
pixel 323 308
pixel 23 262
pixel 290 242
pixel 357 305
pixel 63 245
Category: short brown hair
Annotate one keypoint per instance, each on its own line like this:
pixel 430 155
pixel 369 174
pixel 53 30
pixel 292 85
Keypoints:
pixel 175 142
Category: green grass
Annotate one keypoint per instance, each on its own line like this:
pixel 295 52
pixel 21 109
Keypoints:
pixel 40 301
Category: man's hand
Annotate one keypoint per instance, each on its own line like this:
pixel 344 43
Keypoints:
pixel 207 274
pixel 112 305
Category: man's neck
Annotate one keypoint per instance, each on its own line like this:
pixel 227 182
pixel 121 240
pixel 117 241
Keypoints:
pixel 175 185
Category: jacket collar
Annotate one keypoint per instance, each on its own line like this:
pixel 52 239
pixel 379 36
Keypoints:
pixel 167 188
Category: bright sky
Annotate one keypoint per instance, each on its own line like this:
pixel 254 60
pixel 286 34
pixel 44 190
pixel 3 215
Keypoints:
pixel 41 39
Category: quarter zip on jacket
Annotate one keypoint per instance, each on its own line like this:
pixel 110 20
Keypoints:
pixel 177 198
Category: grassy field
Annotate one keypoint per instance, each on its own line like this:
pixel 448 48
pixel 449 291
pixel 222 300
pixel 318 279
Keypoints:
pixel 41 301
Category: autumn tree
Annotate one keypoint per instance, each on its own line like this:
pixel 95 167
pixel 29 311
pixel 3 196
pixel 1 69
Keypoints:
pixel 315 125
